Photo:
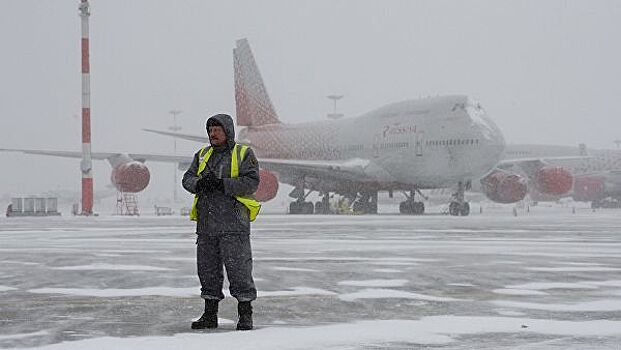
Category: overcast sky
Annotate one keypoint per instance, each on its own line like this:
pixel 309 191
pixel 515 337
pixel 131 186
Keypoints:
pixel 546 71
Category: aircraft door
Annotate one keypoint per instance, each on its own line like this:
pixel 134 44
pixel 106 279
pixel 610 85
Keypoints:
pixel 376 141
pixel 419 142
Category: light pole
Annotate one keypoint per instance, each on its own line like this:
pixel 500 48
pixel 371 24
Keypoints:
pixel 335 115
pixel 174 129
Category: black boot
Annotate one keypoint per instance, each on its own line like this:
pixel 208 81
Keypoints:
pixel 210 317
pixel 244 309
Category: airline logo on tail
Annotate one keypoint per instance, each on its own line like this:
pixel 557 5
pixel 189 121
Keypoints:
pixel 254 107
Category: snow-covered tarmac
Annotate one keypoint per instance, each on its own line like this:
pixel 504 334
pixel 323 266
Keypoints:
pixel 549 279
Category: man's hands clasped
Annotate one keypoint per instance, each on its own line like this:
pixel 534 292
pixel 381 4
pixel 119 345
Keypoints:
pixel 209 183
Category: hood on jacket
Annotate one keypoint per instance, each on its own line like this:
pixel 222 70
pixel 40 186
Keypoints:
pixel 227 123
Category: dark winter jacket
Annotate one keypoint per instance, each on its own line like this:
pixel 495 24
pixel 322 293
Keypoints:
pixel 220 213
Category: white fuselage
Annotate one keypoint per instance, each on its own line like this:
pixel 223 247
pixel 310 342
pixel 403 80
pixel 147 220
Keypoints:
pixel 428 143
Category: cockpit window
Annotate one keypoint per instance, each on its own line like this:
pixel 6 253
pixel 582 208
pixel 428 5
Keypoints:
pixel 458 106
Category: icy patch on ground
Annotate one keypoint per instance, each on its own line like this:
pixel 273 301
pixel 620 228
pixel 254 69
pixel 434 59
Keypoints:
pixel 107 255
pixel 579 263
pixel 375 283
pixel 390 293
pixel 573 269
pixel 23 335
pixel 428 330
pixel 587 306
pixel 509 313
pixel 19 262
pixel 100 266
pixel 611 283
pixel 283 268
pixel 295 292
pixel 5 288
pixel 136 251
pixel 461 285
pixel 345 259
pixel 551 285
pixel 508 262
pixel 387 270
pixel 393 263
pixel 169 292
pixel 125 292
pixel 511 291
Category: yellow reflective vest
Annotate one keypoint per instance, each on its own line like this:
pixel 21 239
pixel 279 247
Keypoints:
pixel 249 202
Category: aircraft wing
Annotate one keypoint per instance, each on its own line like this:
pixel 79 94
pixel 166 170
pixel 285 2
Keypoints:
pixel 141 157
pixel 530 165
pixel 65 154
pixel 355 169
pixel 197 138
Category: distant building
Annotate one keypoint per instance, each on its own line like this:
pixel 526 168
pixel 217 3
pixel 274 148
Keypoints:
pixel 33 206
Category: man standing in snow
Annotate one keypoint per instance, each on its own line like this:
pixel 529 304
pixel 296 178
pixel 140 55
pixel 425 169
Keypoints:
pixel 218 176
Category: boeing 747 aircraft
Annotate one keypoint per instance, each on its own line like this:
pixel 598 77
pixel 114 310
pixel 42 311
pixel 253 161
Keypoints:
pixel 406 146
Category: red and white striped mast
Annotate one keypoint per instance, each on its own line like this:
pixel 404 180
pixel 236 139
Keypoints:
pixel 87 162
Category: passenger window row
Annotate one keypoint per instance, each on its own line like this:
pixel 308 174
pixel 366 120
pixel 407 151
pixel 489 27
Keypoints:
pixel 456 142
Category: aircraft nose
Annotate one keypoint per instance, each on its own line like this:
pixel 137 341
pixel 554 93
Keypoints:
pixel 490 134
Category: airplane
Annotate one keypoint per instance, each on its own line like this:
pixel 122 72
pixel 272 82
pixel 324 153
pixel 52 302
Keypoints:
pixel 436 142
pixel 551 172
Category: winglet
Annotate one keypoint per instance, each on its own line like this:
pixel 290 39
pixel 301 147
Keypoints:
pixel 252 102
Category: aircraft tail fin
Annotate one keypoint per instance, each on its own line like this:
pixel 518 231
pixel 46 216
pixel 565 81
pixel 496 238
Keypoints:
pixel 252 102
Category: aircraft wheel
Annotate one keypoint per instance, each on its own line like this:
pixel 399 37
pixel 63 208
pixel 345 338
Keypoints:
pixel 465 209
pixel 294 208
pixel 319 209
pixel 404 208
pixel 371 208
pixel 359 207
pixel 418 208
pixel 454 208
pixel 307 208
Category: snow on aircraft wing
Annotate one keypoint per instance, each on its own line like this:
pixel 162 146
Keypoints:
pixel 141 157
pixel 197 138
pixel 355 169
pixel 530 165
pixel 65 154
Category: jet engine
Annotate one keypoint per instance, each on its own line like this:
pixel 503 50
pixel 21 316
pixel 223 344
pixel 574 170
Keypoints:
pixel 268 186
pixel 130 177
pixel 588 188
pixel 553 180
pixel 502 187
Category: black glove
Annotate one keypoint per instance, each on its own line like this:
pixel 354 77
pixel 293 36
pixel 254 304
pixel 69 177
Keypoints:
pixel 201 184
pixel 209 183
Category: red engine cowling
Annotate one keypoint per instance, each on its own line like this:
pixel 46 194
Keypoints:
pixel 553 180
pixel 130 177
pixel 505 188
pixel 588 188
pixel 268 186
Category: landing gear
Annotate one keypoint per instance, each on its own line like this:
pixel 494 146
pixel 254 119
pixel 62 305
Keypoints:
pixel 410 206
pixel 458 205
pixel 300 206
pixel 323 206
pixel 456 209
pixel 366 203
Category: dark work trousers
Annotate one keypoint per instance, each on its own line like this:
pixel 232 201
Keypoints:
pixel 234 252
